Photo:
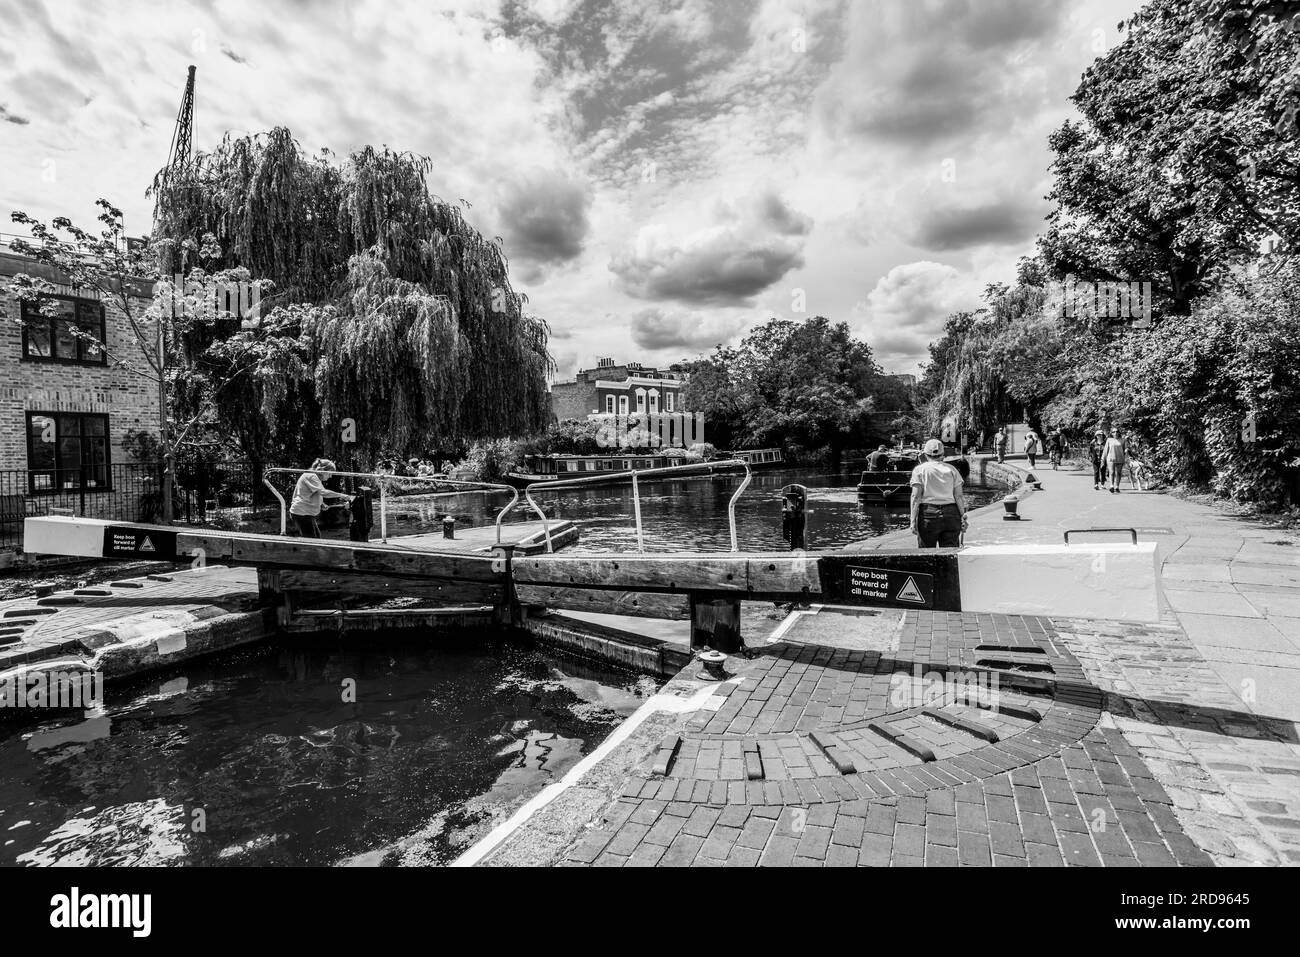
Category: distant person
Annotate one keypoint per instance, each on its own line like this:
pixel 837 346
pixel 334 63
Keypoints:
pixel 1032 448
pixel 1114 454
pixel 1096 452
pixel 938 506
pixel 1055 447
pixel 309 497
pixel 1000 445
pixel 878 461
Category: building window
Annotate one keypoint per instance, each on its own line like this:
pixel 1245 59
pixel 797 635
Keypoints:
pixel 654 400
pixel 668 401
pixel 67 451
pixel 622 405
pixel 640 400
pixel 609 404
pixel 55 338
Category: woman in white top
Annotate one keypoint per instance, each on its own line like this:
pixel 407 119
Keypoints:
pixel 309 497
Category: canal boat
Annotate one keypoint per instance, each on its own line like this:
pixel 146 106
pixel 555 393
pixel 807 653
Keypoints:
pixel 892 486
pixel 760 458
pixel 550 468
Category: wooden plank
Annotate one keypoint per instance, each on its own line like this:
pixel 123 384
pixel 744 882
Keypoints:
pixel 776 575
pixel 351 583
pixel 285 552
pixel 634 604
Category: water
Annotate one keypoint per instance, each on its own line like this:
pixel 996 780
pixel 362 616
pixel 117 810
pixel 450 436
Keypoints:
pixel 443 740
pixel 689 514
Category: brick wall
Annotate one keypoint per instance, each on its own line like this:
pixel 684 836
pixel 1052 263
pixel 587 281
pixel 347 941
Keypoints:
pixel 130 401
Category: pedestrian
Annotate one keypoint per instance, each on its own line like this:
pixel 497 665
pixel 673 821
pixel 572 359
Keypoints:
pixel 1096 452
pixel 1114 454
pixel 938 506
pixel 878 461
pixel 1032 446
pixel 309 497
pixel 1000 444
pixel 1055 445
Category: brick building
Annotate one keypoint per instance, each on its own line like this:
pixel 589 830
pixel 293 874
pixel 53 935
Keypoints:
pixel 64 406
pixel 611 389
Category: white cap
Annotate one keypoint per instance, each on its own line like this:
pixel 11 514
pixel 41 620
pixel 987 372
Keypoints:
pixel 934 447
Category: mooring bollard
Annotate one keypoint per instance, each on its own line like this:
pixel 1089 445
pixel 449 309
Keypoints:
pixel 449 527
pixel 794 521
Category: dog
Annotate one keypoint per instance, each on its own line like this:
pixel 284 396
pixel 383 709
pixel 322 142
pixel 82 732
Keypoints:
pixel 1137 474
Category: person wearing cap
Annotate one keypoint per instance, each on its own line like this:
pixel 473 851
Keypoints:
pixel 1096 450
pixel 938 506
pixel 878 461
pixel 1000 444
pixel 1032 447
pixel 309 497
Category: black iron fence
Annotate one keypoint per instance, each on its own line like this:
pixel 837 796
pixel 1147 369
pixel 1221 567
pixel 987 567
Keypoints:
pixel 205 493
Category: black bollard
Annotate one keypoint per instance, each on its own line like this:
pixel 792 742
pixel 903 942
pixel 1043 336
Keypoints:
pixel 449 527
pixel 793 518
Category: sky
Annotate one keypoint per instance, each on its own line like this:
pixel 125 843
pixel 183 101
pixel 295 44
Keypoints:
pixel 665 174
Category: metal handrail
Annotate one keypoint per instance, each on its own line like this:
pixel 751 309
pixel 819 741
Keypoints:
pixel 384 479
pixel 636 475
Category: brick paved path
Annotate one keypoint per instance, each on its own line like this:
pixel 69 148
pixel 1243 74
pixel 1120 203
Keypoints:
pixel 816 755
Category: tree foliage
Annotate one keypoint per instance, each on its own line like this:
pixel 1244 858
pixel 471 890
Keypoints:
pixel 806 386
pixel 390 309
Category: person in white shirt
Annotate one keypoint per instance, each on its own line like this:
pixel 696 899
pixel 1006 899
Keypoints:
pixel 309 497
pixel 938 506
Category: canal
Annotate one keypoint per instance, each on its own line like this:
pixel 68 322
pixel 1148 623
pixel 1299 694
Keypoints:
pixel 259 756
pixel 690 514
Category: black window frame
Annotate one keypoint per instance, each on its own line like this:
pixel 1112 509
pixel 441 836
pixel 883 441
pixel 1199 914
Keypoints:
pixel 31 315
pixel 84 471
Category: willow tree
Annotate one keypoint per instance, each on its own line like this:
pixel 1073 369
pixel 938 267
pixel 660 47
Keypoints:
pixel 388 309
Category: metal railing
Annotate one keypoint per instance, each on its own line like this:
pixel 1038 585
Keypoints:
pixel 706 468
pixel 386 479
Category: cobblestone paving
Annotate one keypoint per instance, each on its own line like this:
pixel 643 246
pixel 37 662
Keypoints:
pixel 817 756
pixel 1234 777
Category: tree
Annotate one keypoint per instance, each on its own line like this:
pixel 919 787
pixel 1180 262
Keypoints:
pixel 808 385
pixel 158 317
pixel 391 313
pixel 1187 158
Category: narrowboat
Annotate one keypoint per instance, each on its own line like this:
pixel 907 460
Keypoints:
pixel 759 458
pixel 551 468
pixel 892 486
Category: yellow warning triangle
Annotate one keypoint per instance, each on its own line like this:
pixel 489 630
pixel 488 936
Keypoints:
pixel 909 592
pixel 147 546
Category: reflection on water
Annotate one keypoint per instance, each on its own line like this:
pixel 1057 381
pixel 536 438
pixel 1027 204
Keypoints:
pixel 256 758
pixel 687 514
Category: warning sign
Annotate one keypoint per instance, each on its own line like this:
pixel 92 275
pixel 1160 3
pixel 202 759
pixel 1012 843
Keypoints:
pixel 886 586
pixel 125 542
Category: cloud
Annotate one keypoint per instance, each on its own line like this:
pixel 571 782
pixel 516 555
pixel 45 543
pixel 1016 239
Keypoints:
pixel 544 217
pixel 13 117
pixel 1004 221
pixel 657 328
pixel 754 242
pixel 907 307
pixel 918 72
pixel 232 55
